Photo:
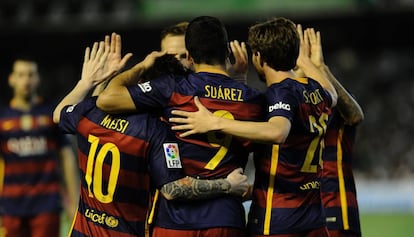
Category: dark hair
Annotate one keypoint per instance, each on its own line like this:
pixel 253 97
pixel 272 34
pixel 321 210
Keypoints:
pixel 175 30
pixel 206 40
pixel 163 65
pixel 278 42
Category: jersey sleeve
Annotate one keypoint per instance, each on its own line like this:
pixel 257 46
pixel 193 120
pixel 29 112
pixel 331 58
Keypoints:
pixel 165 163
pixel 281 101
pixel 71 114
pixel 153 94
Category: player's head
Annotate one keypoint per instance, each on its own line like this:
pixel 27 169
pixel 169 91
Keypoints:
pixel 277 41
pixel 206 40
pixel 167 64
pixel 24 77
pixel 172 40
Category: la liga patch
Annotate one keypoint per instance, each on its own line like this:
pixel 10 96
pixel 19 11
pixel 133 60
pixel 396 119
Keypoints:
pixel 172 155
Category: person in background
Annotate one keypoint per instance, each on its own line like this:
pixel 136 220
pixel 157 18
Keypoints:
pixel 38 166
pixel 119 154
pixel 338 189
pixel 286 196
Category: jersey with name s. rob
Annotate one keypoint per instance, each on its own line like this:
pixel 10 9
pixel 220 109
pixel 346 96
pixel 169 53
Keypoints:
pixel 207 156
pixel 286 195
pixel 116 154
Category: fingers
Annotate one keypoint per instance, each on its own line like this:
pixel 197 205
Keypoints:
pixel 107 43
pixel 187 133
pixel 125 59
pixel 181 113
pixel 239 50
pixel 181 127
pixel 239 170
pixel 93 51
pixel 197 103
pixel 101 50
pixel 86 56
pixel 118 44
pixel 300 31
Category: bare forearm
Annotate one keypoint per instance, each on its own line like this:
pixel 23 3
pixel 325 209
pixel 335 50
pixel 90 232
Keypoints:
pixel 189 188
pixel 128 77
pixel 349 108
pixel 116 98
pixel 78 93
pixel 274 131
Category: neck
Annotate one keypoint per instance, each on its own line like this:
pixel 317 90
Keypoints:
pixel 23 103
pixel 272 76
pixel 220 69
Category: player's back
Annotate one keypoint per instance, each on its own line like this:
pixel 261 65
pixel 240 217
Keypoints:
pixel 205 155
pixel 112 151
pixel 287 184
pixel 211 155
pixel 338 189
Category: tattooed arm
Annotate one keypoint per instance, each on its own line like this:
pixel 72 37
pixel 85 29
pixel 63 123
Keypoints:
pixel 349 108
pixel 189 188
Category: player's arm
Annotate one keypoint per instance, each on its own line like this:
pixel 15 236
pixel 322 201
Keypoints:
pixel 100 64
pixel 275 130
pixel 349 108
pixel 116 98
pixel 69 167
pixel 189 188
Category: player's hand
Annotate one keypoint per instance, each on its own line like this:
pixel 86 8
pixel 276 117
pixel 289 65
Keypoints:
pixel 200 121
pixel 93 64
pixel 304 49
pixel 150 59
pixel 238 181
pixel 239 69
pixel 316 54
pixel 114 62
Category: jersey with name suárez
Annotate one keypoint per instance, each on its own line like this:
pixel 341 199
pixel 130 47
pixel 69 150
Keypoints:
pixel 286 195
pixel 30 144
pixel 208 156
pixel 115 153
pixel 338 188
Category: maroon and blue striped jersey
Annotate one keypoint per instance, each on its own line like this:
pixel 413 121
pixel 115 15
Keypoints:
pixel 286 195
pixel 209 156
pixel 338 184
pixel 116 153
pixel 30 144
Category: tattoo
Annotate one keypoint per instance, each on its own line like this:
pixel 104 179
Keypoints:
pixel 349 108
pixel 189 188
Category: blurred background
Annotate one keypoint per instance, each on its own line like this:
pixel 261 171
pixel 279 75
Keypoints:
pixel 368 44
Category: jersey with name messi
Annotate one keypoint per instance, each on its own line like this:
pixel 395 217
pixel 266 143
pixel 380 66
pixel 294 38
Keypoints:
pixel 209 156
pixel 30 144
pixel 286 195
pixel 115 153
pixel 338 189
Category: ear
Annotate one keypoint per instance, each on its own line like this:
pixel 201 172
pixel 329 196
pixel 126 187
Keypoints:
pixel 188 57
pixel 259 58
